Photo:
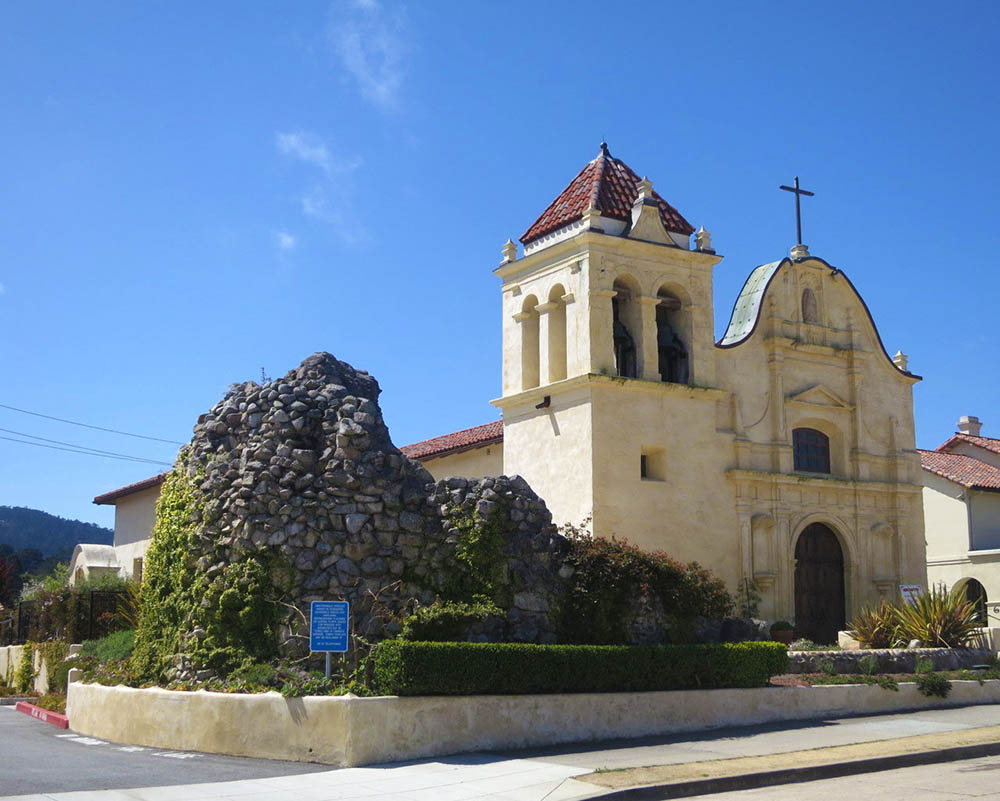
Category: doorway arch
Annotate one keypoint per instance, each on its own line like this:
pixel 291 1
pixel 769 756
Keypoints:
pixel 975 594
pixel 819 584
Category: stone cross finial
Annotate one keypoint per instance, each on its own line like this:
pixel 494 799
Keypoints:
pixel 900 360
pixel 509 251
pixel 703 240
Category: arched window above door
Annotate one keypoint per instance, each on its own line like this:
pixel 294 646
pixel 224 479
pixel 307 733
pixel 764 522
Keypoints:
pixel 811 450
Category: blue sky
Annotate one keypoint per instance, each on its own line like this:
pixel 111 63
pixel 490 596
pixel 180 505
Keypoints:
pixel 190 192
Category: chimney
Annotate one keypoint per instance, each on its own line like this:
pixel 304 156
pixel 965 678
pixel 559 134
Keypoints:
pixel 970 425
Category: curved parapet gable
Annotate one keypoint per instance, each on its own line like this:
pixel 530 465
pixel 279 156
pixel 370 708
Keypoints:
pixel 747 309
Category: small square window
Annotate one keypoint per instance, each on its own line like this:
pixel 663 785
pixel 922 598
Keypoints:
pixel 652 464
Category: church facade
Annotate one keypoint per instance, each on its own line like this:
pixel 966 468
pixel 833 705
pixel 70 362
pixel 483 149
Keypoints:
pixel 783 454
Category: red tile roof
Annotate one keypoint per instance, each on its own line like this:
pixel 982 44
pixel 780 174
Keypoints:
pixel 612 187
pixel 965 470
pixel 989 443
pixel 467 439
pixel 139 486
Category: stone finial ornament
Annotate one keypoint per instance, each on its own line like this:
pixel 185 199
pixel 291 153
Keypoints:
pixel 901 360
pixel 800 251
pixel 592 218
pixel 703 240
pixel 645 190
pixel 509 251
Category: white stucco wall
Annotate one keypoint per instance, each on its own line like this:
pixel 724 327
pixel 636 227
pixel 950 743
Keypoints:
pixel 134 516
pixel 348 731
pixel 946 517
pixel 473 463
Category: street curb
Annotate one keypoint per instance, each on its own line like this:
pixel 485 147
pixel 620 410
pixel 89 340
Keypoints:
pixel 52 718
pixel 808 773
pixel 15 700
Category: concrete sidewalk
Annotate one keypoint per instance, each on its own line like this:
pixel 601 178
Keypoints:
pixel 558 774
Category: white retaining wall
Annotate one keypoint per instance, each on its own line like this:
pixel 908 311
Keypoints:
pixel 350 731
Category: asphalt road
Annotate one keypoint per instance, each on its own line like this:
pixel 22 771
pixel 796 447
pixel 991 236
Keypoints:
pixel 37 757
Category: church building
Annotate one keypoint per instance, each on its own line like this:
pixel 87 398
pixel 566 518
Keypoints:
pixel 783 454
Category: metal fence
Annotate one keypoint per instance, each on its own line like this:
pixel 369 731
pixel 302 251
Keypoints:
pixel 74 616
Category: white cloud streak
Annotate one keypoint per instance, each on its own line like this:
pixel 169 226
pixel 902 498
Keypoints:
pixel 331 198
pixel 310 149
pixel 373 46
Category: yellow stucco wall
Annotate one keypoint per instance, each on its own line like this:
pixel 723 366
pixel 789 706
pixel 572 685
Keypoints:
pixel 473 463
pixel 726 493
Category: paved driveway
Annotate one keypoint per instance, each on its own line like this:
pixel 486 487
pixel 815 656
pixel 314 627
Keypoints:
pixel 38 758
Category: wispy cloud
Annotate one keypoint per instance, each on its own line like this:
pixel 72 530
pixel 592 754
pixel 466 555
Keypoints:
pixel 373 45
pixel 331 196
pixel 312 150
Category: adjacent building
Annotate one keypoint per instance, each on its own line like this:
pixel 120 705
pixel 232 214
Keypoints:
pixel 961 482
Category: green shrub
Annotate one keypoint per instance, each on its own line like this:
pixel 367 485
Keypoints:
pixel 53 702
pixel 826 666
pixel 781 625
pixel 423 668
pixel 933 684
pixel 53 655
pixel 446 621
pixel 877 627
pixel 868 664
pixel 939 619
pixel 607 579
pixel 24 678
pixel 923 665
pixel 238 608
pixel 113 648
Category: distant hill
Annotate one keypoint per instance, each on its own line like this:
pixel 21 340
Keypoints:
pixel 22 528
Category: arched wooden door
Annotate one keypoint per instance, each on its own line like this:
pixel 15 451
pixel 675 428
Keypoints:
pixel 975 593
pixel 819 585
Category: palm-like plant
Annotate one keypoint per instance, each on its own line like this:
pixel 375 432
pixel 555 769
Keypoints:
pixel 939 619
pixel 877 627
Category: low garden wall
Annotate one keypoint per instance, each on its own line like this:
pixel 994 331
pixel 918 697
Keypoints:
pixel 10 661
pixel 890 660
pixel 349 731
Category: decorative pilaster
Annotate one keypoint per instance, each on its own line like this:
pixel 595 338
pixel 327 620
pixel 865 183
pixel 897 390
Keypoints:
pixel 602 346
pixel 649 359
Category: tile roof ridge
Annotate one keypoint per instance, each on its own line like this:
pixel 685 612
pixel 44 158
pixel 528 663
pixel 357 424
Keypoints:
pixel 598 179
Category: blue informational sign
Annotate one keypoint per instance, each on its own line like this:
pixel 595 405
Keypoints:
pixel 328 626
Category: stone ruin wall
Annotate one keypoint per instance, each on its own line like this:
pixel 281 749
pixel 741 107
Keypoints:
pixel 304 466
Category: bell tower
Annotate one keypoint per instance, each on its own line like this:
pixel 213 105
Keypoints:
pixel 607 338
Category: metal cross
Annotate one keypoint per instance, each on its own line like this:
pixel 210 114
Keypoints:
pixel 798 211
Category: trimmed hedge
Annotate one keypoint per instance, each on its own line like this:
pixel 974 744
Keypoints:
pixel 439 668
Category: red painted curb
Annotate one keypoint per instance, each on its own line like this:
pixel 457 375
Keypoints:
pixel 43 715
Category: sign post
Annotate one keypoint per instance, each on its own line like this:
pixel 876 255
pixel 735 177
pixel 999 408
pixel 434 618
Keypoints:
pixel 911 592
pixel 329 625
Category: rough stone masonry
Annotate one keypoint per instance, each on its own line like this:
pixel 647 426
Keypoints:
pixel 304 466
